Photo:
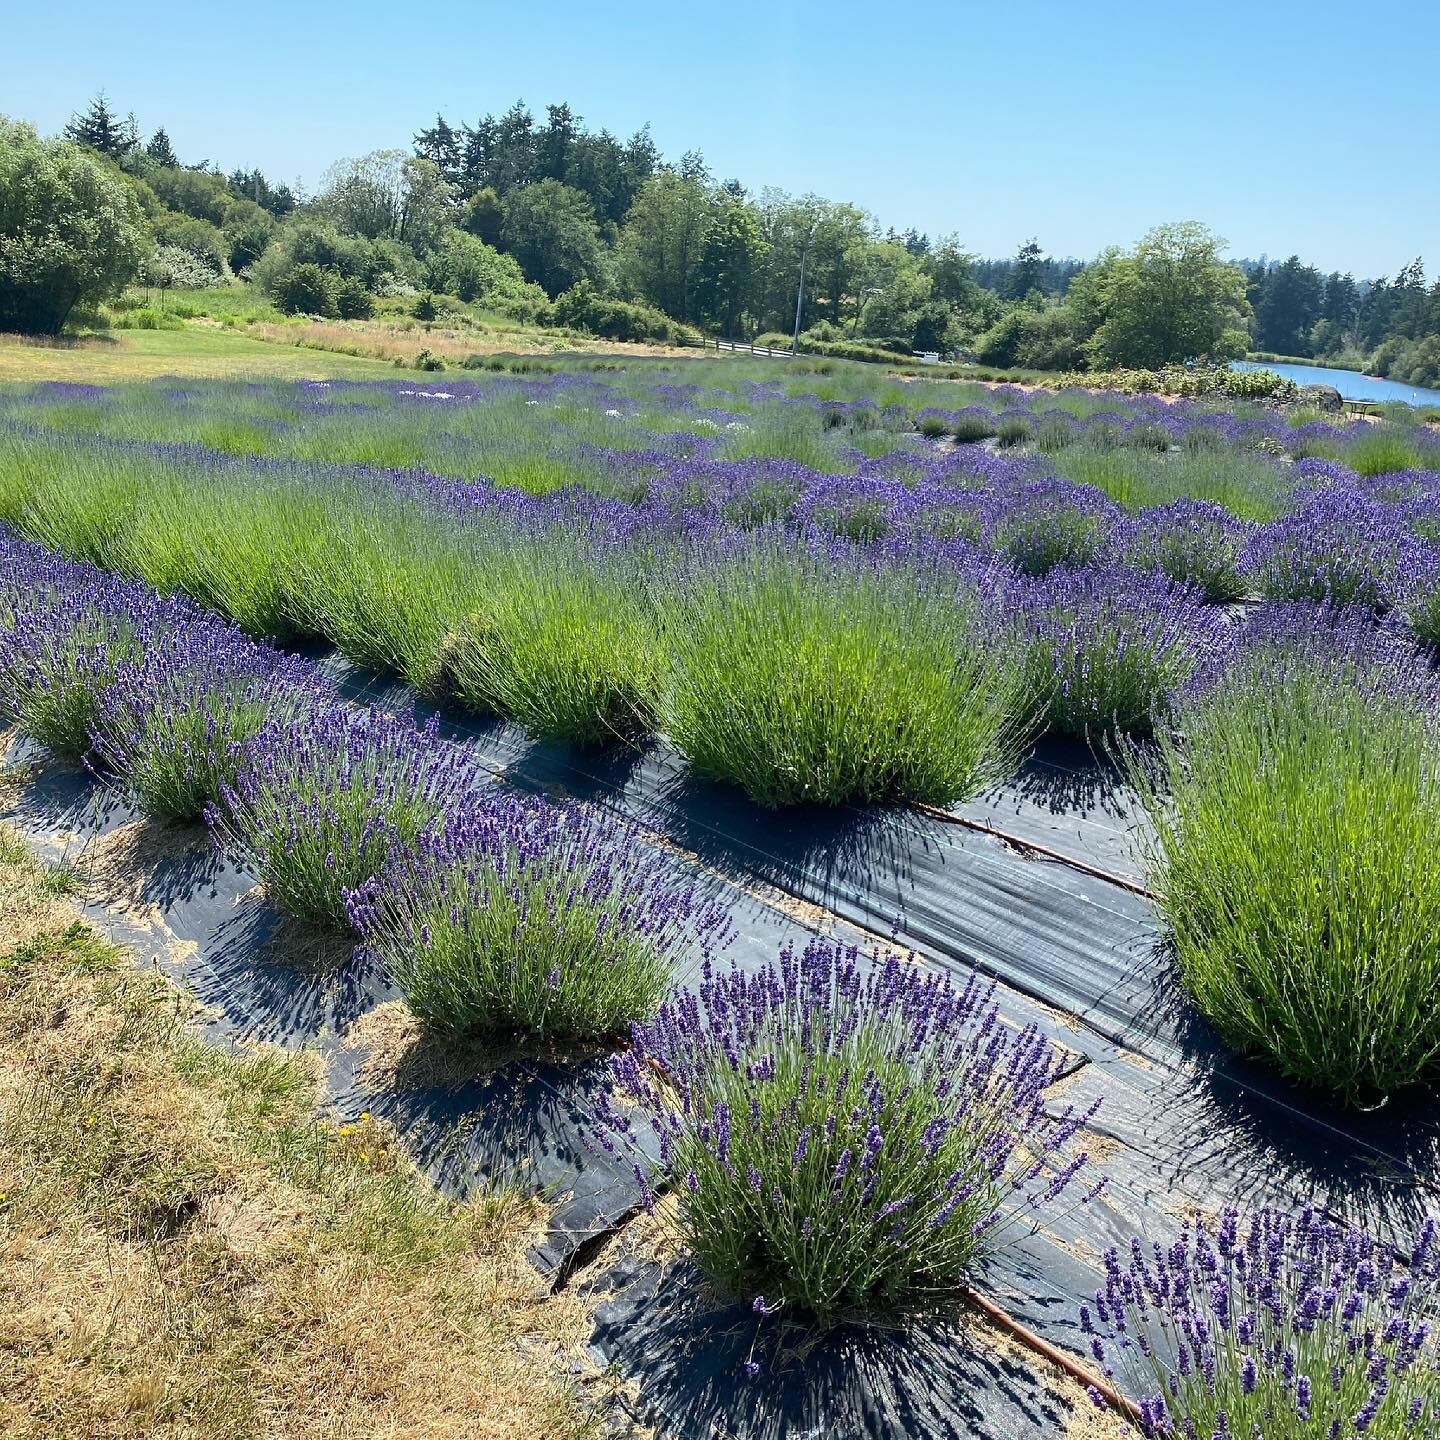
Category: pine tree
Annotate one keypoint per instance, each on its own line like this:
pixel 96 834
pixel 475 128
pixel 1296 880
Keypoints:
pixel 442 145
pixel 99 128
pixel 1029 271
pixel 161 151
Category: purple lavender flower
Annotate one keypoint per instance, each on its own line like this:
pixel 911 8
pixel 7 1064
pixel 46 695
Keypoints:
pixel 1108 647
pixel 321 804
pixel 518 915
pixel 1315 1306
pixel 892 1128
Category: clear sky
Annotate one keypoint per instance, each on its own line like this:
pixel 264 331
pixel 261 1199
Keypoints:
pixel 1285 126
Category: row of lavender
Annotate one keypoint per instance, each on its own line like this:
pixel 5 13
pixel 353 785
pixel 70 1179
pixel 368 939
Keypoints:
pixel 839 1138
pixel 493 911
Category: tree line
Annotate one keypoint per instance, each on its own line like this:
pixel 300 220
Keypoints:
pixel 552 222
pixel 1385 326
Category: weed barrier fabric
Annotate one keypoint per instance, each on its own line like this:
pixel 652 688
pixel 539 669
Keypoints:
pixel 687 1351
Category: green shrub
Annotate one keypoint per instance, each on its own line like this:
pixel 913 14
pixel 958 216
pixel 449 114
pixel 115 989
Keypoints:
pixel 802 681
pixel 427 359
pixel 353 301
pixel 849 350
pixel 308 290
pixel 582 307
pixel 147 317
pixel 1294 848
pixel 71 230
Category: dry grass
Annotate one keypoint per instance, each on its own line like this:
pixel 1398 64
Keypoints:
pixel 186 1251
pixel 402 340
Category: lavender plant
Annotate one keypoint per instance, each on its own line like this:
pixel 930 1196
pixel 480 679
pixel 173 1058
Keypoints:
pixel 319 806
pixel 174 724
pixel 842 1141
pixel 565 643
pixel 1285 1328
pixel 1106 647
pixel 1339 547
pixel 1194 542
pixel 1293 815
pixel 807 679
pixel 68 630
pixel 520 916
pixel 1045 523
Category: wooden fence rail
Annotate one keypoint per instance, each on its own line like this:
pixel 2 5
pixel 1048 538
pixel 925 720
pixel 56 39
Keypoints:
pixel 739 346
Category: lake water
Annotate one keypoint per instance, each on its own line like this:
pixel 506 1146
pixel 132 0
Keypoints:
pixel 1351 385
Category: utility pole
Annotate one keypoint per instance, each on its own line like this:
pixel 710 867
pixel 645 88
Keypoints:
pixel 800 294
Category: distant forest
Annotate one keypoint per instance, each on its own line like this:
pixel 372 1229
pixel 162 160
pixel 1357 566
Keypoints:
pixel 551 221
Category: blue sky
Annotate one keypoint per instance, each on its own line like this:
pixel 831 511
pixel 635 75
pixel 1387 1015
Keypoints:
pixel 1285 126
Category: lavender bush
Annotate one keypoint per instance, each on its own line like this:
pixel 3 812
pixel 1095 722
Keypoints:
pixel 1294 814
pixel 565 643
pixel 1281 1329
pixel 1106 647
pixel 1339 547
pixel 1045 523
pixel 521 916
pixel 67 632
pixel 1194 542
pixel 842 1141
pixel 320 806
pixel 174 724
pixel 828 679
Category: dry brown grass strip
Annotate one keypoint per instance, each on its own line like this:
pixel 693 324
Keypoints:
pixel 186 1251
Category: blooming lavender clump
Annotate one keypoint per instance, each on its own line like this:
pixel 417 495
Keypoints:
pixel 1283 1329
pixel 519 915
pixel 843 1139
pixel 1044 523
pixel 1342 646
pixel 1107 647
pixel 1416 594
pixel 320 805
pixel 65 630
pixel 1339 547
pixel 173 724
pixel 1195 542
pixel 1293 821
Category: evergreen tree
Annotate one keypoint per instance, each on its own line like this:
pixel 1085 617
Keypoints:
pixel 730 264
pixel 445 147
pixel 1029 271
pixel 160 150
pixel 1288 300
pixel 1342 300
pixel 554 142
pixel 99 128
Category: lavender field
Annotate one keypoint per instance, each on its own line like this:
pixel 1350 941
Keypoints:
pixel 537 687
